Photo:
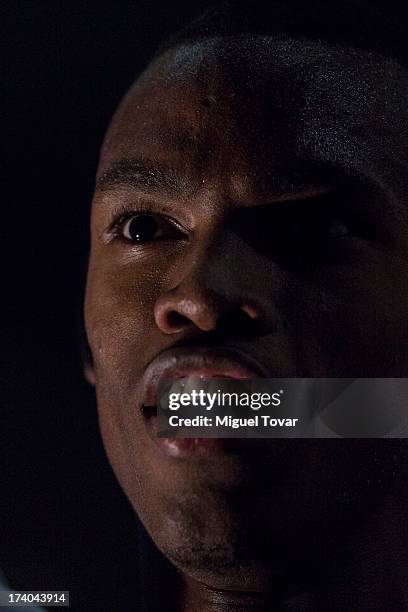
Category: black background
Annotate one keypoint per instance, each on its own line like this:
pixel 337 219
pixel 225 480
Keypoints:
pixel 64 522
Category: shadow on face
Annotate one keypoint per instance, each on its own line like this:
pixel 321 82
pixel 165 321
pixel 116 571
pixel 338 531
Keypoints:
pixel 244 203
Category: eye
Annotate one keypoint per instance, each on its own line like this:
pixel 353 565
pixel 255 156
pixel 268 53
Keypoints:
pixel 314 230
pixel 146 227
pixel 334 228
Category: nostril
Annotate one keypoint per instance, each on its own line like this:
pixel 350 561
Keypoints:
pixel 177 320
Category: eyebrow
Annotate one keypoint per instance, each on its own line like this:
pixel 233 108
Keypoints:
pixel 142 174
pixel 157 177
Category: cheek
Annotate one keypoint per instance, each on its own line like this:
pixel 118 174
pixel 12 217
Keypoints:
pixel 123 338
pixel 119 317
pixel 356 316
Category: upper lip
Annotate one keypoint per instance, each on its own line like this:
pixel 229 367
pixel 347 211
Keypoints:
pixel 207 362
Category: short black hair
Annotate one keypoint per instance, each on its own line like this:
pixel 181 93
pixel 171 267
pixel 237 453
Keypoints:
pixel 376 26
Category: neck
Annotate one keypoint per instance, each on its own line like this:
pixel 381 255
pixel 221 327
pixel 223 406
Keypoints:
pixel 198 597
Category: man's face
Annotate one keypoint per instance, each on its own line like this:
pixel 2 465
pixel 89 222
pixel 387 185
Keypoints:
pixel 246 221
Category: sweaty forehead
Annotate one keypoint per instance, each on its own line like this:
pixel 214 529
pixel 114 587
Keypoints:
pixel 297 101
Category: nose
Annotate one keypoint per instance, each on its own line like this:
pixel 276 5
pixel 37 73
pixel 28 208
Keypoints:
pixel 214 294
pixel 199 308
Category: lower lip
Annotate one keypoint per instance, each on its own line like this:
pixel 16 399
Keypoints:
pixel 198 447
pixel 186 447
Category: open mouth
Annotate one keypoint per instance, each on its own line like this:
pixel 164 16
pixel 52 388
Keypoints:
pixel 205 363
pixel 189 367
pixel 186 381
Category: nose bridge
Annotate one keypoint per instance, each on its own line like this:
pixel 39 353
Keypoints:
pixel 216 281
pixel 224 265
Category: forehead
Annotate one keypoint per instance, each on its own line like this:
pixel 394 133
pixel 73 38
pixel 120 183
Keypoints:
pixel 290 102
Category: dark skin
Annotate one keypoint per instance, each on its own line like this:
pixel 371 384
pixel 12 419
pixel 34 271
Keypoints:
pixel 217 145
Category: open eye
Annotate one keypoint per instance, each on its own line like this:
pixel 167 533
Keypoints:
pixel 334 228
pixel 146 227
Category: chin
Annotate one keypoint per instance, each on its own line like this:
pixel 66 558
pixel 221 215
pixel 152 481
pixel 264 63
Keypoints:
pixel 231 545
pixel 275 534
pixel 222 562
